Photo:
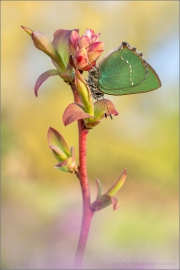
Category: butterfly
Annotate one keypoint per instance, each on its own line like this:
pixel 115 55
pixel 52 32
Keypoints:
pixel 124 71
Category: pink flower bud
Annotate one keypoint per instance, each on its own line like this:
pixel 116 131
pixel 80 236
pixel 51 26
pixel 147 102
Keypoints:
pixel 42 43
pixel 90 34
pixel 81 59
pixel 73 42
pixel 94 50
pixel 83 42
pixel 85 50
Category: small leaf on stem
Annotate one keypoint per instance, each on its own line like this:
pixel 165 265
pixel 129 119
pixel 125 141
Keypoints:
pixel 74 112
pixel 43 77
pixel 56 139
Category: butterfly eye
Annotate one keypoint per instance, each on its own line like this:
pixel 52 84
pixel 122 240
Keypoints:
pixel 125 44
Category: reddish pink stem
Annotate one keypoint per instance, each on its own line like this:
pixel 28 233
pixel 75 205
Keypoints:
pixel 87 211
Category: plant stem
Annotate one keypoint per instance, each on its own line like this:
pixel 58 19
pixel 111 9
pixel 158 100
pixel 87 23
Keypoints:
pixel 87 211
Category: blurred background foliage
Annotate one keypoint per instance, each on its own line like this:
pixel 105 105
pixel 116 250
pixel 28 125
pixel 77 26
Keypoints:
pixel 41 206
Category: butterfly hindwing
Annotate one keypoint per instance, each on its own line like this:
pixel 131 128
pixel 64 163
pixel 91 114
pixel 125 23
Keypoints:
pixel 126 72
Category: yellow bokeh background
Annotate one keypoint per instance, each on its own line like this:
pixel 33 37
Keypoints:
pixel 41 206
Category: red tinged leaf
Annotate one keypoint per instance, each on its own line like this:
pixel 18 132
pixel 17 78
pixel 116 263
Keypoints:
pixel 74 112
pixel 104 107
pixel 115 202
pixel 61 43
pixel 56 139
pixel 43 77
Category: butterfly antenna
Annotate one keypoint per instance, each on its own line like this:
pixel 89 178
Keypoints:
pixel 106 106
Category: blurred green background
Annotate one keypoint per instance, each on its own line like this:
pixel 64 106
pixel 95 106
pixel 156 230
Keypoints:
pixel 41 206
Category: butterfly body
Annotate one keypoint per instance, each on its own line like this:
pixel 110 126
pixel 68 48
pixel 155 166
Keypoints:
pixel 124 71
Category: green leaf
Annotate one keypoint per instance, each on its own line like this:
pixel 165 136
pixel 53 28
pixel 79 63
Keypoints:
pixel 118 184
pixel 56 139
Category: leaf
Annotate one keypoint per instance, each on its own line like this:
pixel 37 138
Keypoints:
pixel 58 153
pixel 90 122
pixel 56 139
pixel 99 188
pixel 61 44
pixel 43 77
pixel 96 205
pixel 102 202
pixel 115 202
pixel 118 184
pixel 68 165
pixel 74 112
pixel 84 92
pixel 102 107
pixel 42 43
pixel 28 30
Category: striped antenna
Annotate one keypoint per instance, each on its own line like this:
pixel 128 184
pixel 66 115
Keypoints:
pixel 106 106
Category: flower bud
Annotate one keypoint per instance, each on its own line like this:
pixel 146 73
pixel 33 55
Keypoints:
pixel 85 50
pixel 42 43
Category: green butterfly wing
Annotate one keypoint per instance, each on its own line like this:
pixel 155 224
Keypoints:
pixel 125 72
